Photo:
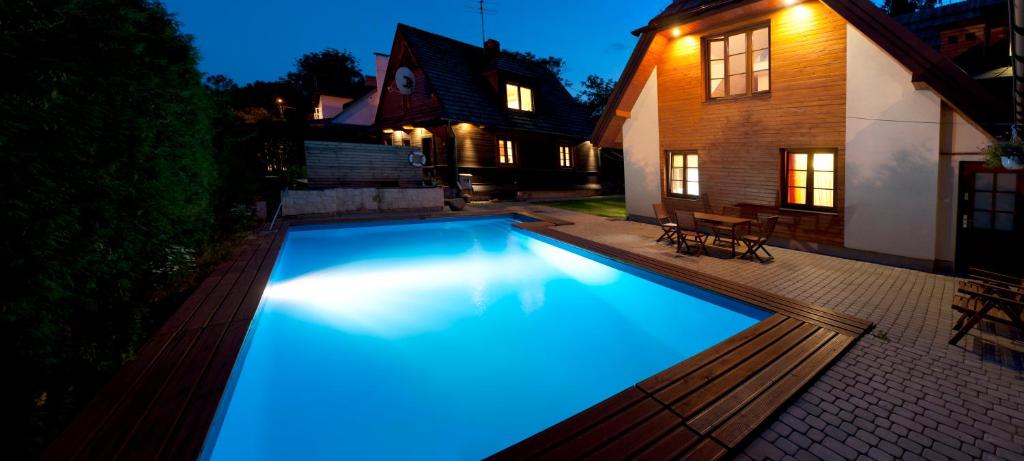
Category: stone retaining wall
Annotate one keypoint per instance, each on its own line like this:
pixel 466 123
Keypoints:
pixel 360 200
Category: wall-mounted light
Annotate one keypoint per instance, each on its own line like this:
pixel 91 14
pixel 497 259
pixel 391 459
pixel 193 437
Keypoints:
pixel 388 131
pixel 676 32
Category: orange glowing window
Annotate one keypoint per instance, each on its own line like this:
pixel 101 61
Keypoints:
pixel 683 174
pixel 518 97
pixel 809 178
pixel 564 156
pixel 738 63
pixel 506 152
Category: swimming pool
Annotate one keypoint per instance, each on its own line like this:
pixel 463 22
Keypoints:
pixel 447 339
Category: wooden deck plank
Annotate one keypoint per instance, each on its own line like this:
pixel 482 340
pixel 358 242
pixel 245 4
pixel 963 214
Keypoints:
pixel 731 403
pixel 200 318
pixel 245 282
pixel 748 366
pixel 671 446
pixel 734 431
pixel 185 439
pixel 572 426
pixel 247 310
pixel 655 383
pixel 146 441
pixel 683 387
pixel 125 416
pixel 647 432
pixel 587 441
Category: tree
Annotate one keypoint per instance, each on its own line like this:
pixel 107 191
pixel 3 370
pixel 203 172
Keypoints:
pixel 329 72
pixel 553 63
pixel 106 174
pixel 594 95
pixel 898 7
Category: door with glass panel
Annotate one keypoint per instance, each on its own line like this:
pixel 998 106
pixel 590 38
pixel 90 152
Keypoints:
pixel 991 219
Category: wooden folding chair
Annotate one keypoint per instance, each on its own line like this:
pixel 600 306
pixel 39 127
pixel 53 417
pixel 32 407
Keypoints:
pixel 668 227
pixel 756 242
pixel 977 300
pixel 689 232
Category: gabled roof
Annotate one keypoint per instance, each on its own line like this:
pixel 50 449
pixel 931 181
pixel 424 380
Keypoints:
pixel 928 66
pixel 927 23
pixel 456 72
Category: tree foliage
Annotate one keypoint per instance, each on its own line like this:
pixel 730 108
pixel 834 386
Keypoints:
pixel 594 94
pixel 898 7
pixel 107 173
pixel 555 64
pixel 330 72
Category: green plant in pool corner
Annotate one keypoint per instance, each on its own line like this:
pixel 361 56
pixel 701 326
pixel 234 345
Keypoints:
pixel 1009 154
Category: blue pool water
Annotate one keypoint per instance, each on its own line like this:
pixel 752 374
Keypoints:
pixel 447 339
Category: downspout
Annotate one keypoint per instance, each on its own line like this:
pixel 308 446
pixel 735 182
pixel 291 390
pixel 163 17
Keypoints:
pixel 1017 60
pixel 453 160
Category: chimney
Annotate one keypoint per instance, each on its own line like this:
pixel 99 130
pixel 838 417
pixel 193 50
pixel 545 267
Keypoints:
pixel 492 48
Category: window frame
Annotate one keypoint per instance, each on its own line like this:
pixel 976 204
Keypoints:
pixel 515 151
pixel 519 97
pixel 568 157
pixel 668 173
pixel 809 187
pixel 724 38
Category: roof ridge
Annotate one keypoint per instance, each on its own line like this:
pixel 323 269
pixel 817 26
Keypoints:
pixel 435 34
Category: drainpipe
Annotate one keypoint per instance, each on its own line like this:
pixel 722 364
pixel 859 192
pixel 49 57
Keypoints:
pixel 453 160
pixel 1016 47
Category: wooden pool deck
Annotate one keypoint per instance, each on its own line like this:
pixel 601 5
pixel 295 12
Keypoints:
pixel 162 403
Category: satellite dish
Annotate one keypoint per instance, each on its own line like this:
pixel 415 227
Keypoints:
pixel 405 81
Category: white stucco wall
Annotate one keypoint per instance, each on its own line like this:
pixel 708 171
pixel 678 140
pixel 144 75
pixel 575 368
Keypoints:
pixel 641 151
pixel 892 155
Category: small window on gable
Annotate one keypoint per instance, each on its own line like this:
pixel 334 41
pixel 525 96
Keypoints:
pixel 506 152
pixel 565 156
pixel 952 39
pixel 809 177
pixel 683 175
pixel 738 63
pixel 518 97
pixel 970 36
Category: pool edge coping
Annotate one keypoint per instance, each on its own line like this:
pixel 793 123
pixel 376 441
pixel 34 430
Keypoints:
pixel 117 401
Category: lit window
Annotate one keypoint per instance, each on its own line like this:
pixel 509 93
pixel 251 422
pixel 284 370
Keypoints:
pixel 683 177
pixel 518 97
pixel 810 178
pixel 739 64
pixel 564 157
pixel 506 152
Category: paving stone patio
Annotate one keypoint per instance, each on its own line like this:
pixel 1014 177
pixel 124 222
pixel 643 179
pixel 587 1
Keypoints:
pixel 901 392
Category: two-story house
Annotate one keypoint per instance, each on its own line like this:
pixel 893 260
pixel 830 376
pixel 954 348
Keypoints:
pixel 508 122
pixel 826 112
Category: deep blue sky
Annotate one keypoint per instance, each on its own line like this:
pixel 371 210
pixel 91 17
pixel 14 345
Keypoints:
pixel 251 40
pixel 260 39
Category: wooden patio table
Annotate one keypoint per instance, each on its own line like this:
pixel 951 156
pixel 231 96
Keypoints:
pixel 718 219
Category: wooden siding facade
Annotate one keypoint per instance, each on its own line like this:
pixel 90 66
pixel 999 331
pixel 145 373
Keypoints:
pixel 740 140
pixel 473 145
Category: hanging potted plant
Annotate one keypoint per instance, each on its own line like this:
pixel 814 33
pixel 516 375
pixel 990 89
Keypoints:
pixel 1009 155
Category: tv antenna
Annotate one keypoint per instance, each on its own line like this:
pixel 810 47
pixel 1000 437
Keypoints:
pixel 482 8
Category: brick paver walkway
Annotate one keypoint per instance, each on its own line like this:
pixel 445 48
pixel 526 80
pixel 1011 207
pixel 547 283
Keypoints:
pixel 901 392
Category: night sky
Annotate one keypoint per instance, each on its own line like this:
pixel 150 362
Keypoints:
pixel 251 40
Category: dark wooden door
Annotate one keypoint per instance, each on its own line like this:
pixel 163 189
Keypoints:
pixel 990 219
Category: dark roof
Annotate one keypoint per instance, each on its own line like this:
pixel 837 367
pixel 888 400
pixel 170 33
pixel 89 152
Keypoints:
pixel 681 10
pixel 928 22
pixel 456 72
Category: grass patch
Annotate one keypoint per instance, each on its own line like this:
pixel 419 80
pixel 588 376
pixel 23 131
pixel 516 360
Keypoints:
pixel 609 207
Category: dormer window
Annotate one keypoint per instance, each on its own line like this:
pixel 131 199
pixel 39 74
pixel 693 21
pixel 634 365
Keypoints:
pixel 518 97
